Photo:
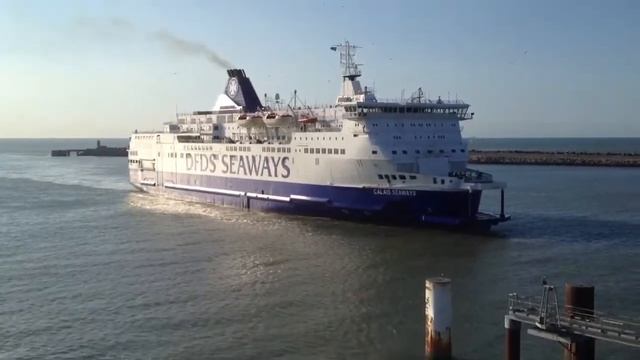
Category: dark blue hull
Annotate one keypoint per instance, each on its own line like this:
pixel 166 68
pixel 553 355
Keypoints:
pixel 451 207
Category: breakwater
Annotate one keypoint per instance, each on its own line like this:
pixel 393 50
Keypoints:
pixel 517 157
pixel 99 150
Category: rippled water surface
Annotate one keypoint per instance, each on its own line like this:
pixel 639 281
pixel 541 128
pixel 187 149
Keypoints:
pixel 90 268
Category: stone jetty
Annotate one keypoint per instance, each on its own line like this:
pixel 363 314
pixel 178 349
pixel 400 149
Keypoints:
pixel 517 157
pixel 99 150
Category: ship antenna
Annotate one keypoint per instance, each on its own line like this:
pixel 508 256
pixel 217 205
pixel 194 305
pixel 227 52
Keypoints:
pixel 347 53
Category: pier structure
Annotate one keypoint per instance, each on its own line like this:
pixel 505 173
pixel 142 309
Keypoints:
pixel 576 327
pixel 520 157
pixel 438 318
pixel 99 150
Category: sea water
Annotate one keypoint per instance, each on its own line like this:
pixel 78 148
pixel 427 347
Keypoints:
pixel 91 268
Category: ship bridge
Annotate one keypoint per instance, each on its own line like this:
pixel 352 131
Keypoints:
pixel 456 109
pixel 359 102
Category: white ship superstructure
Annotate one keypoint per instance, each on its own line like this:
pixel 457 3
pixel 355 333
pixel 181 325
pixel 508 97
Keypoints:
pixel 362 158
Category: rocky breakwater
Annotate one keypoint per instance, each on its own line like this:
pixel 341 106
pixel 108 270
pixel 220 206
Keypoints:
pixel 517 157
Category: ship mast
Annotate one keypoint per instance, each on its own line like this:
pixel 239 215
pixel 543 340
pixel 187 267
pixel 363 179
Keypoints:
pixel 351 89
pixel 349 67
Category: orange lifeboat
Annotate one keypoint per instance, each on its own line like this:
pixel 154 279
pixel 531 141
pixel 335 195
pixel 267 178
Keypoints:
pixel 307 119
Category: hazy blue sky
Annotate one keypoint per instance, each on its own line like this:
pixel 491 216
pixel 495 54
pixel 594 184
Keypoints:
pixel 536 68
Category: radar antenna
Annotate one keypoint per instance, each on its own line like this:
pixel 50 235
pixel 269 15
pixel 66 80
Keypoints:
pixel 347 53
pixel 417 96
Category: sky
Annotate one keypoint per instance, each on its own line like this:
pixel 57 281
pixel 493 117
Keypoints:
pixel 528 68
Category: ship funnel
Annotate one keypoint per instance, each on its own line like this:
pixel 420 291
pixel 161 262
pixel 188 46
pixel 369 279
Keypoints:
pixel 241 91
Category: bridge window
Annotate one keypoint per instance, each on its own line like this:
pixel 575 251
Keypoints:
pixel 342 152
pixel 380 176
pixel 306 151
pixel 435 181
pixel 394 152
pixel 374 152
pixel 402 177
pixel 393 177
pixel 404 152
pixel 335 151
pixel 412 177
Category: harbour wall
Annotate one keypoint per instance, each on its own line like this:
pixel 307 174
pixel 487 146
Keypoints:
pixel 517 157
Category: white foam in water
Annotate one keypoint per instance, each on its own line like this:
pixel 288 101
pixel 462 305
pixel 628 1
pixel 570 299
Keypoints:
pixel 167 205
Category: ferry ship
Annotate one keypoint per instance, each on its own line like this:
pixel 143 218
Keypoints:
pixel 361 158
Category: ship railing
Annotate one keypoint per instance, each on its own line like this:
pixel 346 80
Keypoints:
pixel 424 101
pixel 472 176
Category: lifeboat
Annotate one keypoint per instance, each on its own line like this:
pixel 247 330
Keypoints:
pixel 250 120
pixel 273 119
pixel 307 119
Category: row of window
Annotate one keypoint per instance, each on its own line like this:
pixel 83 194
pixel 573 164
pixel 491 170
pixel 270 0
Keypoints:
pixel 324 138
pixel 239 148
pixel 198 147
pixel 329 151
pixel 134 161
pixel 276 149
pixel 256 138
pixel 407 109
pixel 207 120
pixel 401 124
pixel 404 177
pixel 413 124
pixel 143 137
pixel 405 152
pixel 420 137
pixel 396 177
pixel 133 152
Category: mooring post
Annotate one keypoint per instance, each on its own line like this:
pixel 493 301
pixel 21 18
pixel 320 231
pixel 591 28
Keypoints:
pixel 512 338
pixel 579 301
pixel 438 318
pixel 502 203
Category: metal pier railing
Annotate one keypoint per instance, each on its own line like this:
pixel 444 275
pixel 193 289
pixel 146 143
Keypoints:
pixel 576 325
pixel 575 320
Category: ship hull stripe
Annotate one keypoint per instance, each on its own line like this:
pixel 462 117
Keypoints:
pixel 422 206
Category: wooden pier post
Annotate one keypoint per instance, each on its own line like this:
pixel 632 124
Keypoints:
pixel 438 318
pixel 579 303
pixel 512 338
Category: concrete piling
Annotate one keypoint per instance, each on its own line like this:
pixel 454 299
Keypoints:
pixel 438 318
pixel 579 304
pixel 512 338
